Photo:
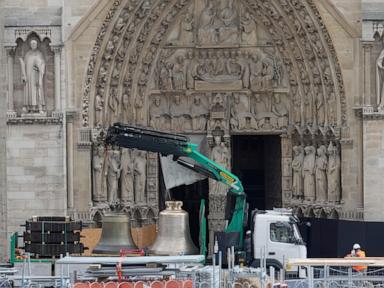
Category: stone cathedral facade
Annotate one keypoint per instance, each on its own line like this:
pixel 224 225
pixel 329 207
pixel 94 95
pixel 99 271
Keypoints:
pixel 310 72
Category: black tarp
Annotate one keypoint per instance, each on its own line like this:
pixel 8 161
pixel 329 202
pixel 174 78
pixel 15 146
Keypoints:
pixel 328 238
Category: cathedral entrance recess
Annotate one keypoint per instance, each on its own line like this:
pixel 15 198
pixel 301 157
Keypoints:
pixel 256 160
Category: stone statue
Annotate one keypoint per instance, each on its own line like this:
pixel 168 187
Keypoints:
pixel 165 76
pixel 248 29
pixel 333 173
pixel 207 33
pixel 256 77
pixel 190 70
pixel 140 175
pixel 280 110
pixel 241 118
pixel 112 172
pixel 178 73
pixel 33 70
pixel 186 29
pixel 380 78
pixel 229 31
pixel 297 169
pixel 267 73
pixel 220 154
pixel 178 113
pixel 99 106
pixel 113 105
pixel 157 113
pixel 309 173
pixel 199 113
pixel 127 112
pixel 139 109
pixel 320 112
pixel 321 174
pixel 245 70
pixel 97 165
pixel 126 179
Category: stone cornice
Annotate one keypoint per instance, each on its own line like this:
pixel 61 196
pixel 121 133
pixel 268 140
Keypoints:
pixel 33 120
pixel 53 33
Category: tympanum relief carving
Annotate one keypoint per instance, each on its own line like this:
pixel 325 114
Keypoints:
pixel 216 68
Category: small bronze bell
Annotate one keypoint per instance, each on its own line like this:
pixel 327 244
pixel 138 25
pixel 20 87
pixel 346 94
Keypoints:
pixel 115 235
pixel 173 237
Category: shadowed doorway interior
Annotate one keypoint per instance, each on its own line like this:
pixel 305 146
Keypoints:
pixel 256 160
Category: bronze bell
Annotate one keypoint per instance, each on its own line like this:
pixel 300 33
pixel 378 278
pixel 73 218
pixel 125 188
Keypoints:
pixel 173 237
pixel 115 235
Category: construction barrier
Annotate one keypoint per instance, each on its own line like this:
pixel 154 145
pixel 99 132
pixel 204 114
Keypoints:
pixel 138 284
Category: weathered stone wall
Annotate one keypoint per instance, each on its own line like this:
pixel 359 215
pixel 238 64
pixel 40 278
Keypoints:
pixel 35 172
pixel 3 119
pixel 345 30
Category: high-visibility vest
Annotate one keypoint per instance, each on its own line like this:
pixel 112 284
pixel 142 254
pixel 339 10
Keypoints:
pixel 360 254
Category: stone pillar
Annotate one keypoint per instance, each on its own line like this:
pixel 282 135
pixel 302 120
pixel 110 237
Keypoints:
pixel 367 91
pixel 10 57
pixel 69 152
pixel 57 64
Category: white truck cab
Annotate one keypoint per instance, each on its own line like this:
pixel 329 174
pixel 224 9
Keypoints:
pixel 276 237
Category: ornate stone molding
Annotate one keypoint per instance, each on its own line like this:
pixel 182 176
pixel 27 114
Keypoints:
pixel 53 33
pixel 30 120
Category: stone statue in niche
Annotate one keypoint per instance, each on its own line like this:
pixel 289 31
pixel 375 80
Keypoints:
pixel 178 73
pixel 309 173
pixel 32 71
pixel 139 172
pixel 321 174
pixel 267 73
pixel 158 113
pixel 229 31
pixel 112 172
pixel 126 178
pixel 331 105
pixel 179 113
pixel 279 108
pixel 97 165
pixel 186 28
pixel 220 154
pixel 113 105
pixel 333 173
pixel 241 118
pixel 297 169
pixel 127 112
pixel 139 107
pixel 296 101
pixel 262 114
pixel 380 79
pixel 248 29
pixel 199 113
pixel 308 107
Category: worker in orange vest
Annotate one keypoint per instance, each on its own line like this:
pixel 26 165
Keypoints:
pixel 357 252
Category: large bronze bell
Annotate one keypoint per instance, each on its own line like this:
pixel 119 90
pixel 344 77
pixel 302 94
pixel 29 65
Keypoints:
pixel 115 235
pixel 173 237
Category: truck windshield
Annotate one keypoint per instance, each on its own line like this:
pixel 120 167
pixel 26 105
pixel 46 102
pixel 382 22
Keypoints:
pixel 284 232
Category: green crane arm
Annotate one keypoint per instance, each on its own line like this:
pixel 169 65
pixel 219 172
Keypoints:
pixel 127 136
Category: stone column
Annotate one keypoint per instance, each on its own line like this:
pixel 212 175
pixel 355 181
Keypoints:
pixel 286 169
pixel 57 64
pixel 70 194
pixel 367 91
pixel 10 57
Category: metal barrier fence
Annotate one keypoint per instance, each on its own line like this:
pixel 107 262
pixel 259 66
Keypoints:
pixel 339 277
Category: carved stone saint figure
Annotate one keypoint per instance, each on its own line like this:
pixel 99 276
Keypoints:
pixel 186 29
pixel 309 173
pixel 333 173
pixel 321 174
pixel 248 29
pixel 241 118
pixel 33 70
pixel 256 77
pixel 199 113
pixel 139 172
pixel 112 172
pixel 297 169
pixel 178 113
pixel 220 154
pixel 207 33
pixel 280 110
pixel 380 78
pixel 229 30
pixel 97 165
pixel 157 112
pixel 126 179
pixel 178 73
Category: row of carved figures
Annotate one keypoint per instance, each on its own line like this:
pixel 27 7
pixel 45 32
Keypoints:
pixel 119 175
pixel 256 70
pixel 316 173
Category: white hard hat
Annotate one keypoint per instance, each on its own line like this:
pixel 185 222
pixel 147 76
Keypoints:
pixel 248 232
pixel 356 246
